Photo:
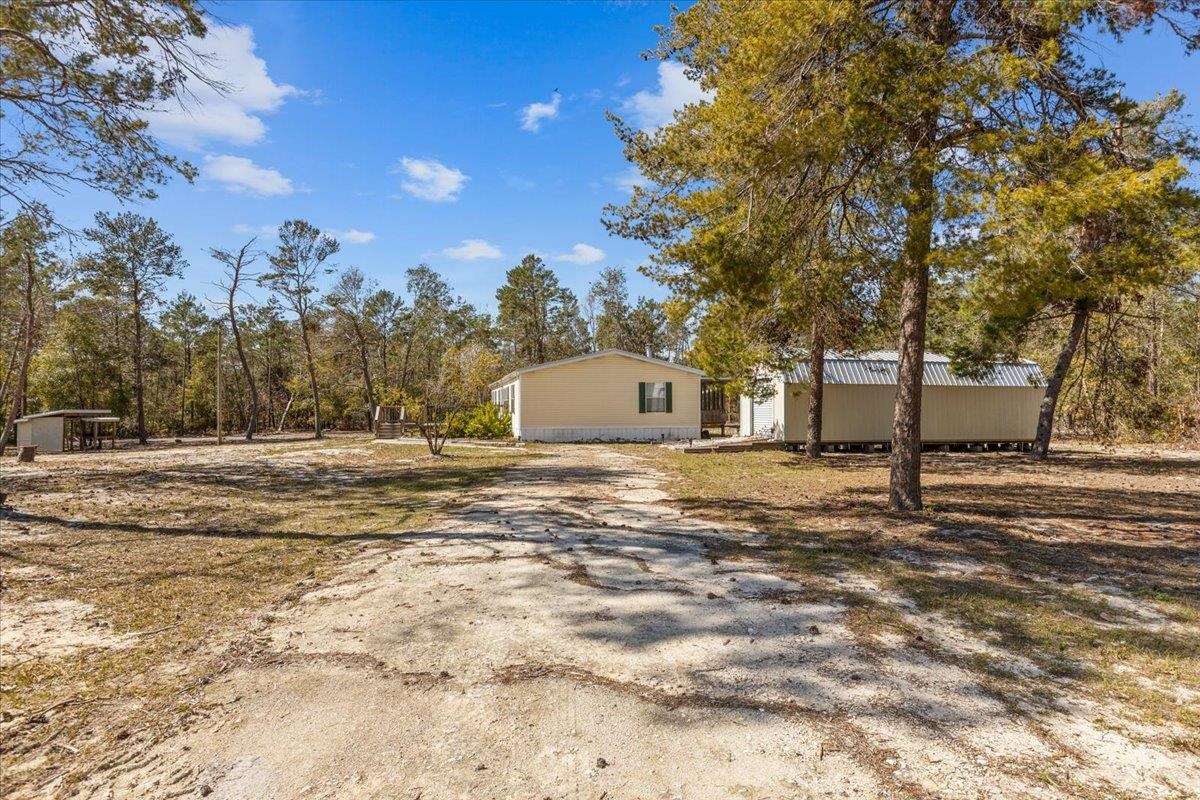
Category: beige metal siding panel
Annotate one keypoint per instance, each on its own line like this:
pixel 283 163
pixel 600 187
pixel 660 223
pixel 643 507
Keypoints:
pixel 24 434
pixel 44 432
pixel 948 413
pixel 980 414
pixel 779 408
pixel 795 412
pixel 857 413
pixel 745 417
pixel 604 392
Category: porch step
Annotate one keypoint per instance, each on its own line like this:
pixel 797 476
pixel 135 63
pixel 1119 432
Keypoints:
pixel 389 430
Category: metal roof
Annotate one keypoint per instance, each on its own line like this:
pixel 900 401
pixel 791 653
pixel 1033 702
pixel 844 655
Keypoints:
pixel 879 367
pixel 516 373
pixel 68 412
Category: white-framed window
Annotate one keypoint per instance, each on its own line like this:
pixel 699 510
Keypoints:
pixel 654 397
pixel 505 397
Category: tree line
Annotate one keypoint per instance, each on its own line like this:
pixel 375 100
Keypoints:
pixel 307 343
pixel 322 345
pixel 902 174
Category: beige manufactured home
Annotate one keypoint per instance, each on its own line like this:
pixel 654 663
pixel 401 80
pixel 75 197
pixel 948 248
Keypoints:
pixel 860 396
pixel 612 395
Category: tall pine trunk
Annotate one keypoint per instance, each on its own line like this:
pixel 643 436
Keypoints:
pixel 905 480
pixel 404 367
pixel 183 384
pixel 1045 427
pixel 270 383
pixel 12 361
pixel 312 376
pixel 816 389
pixel 252 420
pixel 138 384
pixel 19 389
pixel 365 359
pixel 1156 331
pixel 383 358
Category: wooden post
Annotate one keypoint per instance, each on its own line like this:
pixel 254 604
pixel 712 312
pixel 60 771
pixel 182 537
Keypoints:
pixel 220 431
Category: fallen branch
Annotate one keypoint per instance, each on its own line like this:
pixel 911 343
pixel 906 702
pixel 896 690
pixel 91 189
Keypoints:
pixel 153 631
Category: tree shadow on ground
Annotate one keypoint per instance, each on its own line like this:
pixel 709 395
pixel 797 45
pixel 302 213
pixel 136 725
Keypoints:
pixel 640 580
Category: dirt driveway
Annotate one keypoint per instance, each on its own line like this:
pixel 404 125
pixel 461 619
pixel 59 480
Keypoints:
pixel 567 634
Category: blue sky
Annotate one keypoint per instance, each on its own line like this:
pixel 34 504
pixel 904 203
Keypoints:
pixel 433 133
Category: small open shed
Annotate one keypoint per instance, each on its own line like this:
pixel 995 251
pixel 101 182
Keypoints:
pixel 67 429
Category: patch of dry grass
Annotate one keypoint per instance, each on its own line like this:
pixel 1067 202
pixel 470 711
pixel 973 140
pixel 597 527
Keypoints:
pixel 174 551
pixel 1087 565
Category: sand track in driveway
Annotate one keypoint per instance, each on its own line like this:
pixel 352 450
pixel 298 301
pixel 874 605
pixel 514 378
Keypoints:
pixel 567 634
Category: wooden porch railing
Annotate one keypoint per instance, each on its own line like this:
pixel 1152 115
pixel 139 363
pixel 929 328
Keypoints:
pixel 391 422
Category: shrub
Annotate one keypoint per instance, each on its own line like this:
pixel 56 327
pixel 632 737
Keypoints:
pixel 485 421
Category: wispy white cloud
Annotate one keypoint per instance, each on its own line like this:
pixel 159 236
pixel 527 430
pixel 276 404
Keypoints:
pixel 581 254
pixel 243 176
pixel 629 179
pixel 353 236
pixel 431 180
pixel 261 231
pixel 234 116
pixel 472 250
pixel 533 114
pixel 652 110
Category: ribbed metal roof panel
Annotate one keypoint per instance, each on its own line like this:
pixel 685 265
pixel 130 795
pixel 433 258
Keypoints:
pixel 880 368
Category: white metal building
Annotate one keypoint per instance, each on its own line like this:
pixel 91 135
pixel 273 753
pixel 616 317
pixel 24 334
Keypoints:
pixel 65 429
pixel 860 396
pixel 756 415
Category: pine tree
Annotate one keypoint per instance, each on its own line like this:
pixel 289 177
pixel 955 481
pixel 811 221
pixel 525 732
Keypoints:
pixel 539 320
pixel 134 261
pixel 297 266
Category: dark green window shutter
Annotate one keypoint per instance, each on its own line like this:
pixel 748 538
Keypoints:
pixel 641 397
pixel 668 397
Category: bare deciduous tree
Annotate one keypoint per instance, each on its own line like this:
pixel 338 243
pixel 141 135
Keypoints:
pixel 350 301
pixel 235 275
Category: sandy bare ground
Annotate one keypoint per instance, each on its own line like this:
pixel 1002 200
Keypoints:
pixel 570 635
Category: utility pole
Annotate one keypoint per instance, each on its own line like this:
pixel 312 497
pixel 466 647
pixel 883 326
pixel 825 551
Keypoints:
pixel 220 430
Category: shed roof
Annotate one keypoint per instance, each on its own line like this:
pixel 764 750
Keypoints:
pixel 69 412
pixel 516 373
pixel 879 367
